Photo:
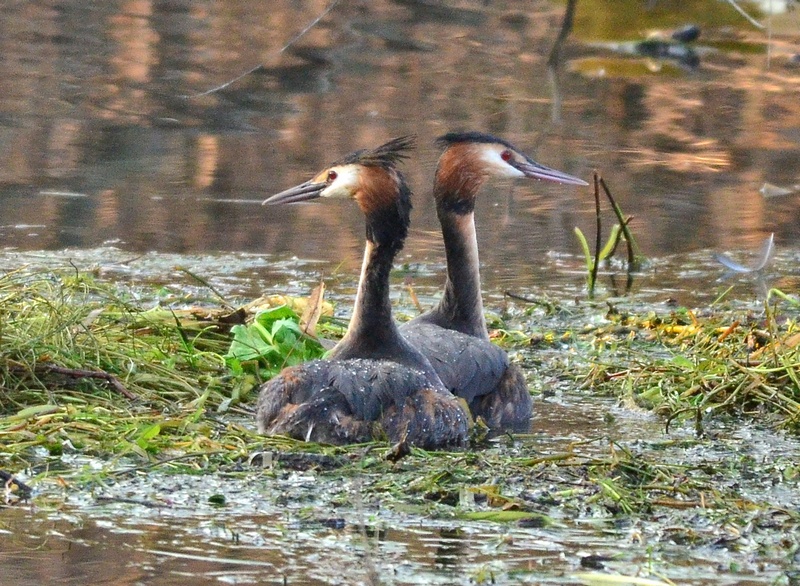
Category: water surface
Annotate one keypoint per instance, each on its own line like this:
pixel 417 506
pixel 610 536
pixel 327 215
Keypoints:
pixel 107 150
pixel 104 138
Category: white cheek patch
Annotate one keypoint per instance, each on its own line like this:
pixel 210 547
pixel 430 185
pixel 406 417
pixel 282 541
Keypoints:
pixel 345 184
pixel 495 165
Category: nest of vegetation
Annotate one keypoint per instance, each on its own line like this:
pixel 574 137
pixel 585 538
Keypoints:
pixel 85 367
pixel 134 379
pixel 720 362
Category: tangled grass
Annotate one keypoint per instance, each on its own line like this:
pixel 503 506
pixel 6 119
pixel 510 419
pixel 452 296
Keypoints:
pixel 685 365
pixel 86 367
pixel 97 371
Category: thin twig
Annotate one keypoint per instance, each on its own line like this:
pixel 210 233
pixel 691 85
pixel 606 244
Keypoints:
pixel 9 481
pixel 617 238
pixel 180 458
pixel 554 59
pixel 598 243
pixel 409 283
pixel 224 85
pixel 521 298
pixel 200 279
pixel 623 222
pixel 741 11
pixel 546 304
pixel 131 501
pixel 80 373
pixel 313 23
pixel 372 574
pixel 292 41
pixel 566 29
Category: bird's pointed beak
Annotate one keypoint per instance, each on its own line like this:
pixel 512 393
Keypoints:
pixel 302 192
pixel 536 171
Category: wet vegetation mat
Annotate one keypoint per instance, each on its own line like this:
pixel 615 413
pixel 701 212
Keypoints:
pixel 663 438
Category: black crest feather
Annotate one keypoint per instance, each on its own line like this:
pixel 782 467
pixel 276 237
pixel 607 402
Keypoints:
pixel 387 155
pixel 451 138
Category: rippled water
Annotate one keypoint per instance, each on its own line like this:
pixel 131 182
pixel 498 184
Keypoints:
pixel 107 149
pixel 292 528
pixel 99 142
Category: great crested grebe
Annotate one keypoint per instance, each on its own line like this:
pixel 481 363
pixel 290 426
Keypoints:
pixel 373 382
pixel 453 335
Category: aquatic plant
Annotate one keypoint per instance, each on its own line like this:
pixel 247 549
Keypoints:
pixel 103 384
pixel 273 340
pixel 604 252
pixel 725 362
pixel 102 369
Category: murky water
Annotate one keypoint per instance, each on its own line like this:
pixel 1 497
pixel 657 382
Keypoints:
pixel 292 528
pixel 106 149
pixel 99 142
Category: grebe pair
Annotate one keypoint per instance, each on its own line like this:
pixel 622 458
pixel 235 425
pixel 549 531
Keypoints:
pixel 406 382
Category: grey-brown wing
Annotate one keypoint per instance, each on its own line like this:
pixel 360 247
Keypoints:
pixel 468 366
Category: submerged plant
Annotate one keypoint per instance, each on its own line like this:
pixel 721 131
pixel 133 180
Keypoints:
pixel 618 232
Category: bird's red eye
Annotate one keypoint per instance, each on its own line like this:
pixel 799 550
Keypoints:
pixel 332 175
pixel 506 156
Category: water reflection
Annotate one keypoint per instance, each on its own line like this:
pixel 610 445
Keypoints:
pixel 99 143
pixel 93 103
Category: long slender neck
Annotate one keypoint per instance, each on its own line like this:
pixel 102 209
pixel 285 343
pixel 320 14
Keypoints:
pixel 372 332
pixel 372 314
pixel 461 304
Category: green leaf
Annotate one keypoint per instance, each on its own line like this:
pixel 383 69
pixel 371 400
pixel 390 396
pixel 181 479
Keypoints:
pixel 273 340
pixel 682 362
pixel 611 244
pixel 504 516
pixel 286 329
pixel 146 434
pixel 247 344
pixel 34 411
pixel 268 316
pixel 587 254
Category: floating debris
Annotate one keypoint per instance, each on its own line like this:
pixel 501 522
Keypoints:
pixel 764 257
pixel 769 190
pixel 63 193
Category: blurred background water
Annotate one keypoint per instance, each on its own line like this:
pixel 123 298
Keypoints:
pixel 105 140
